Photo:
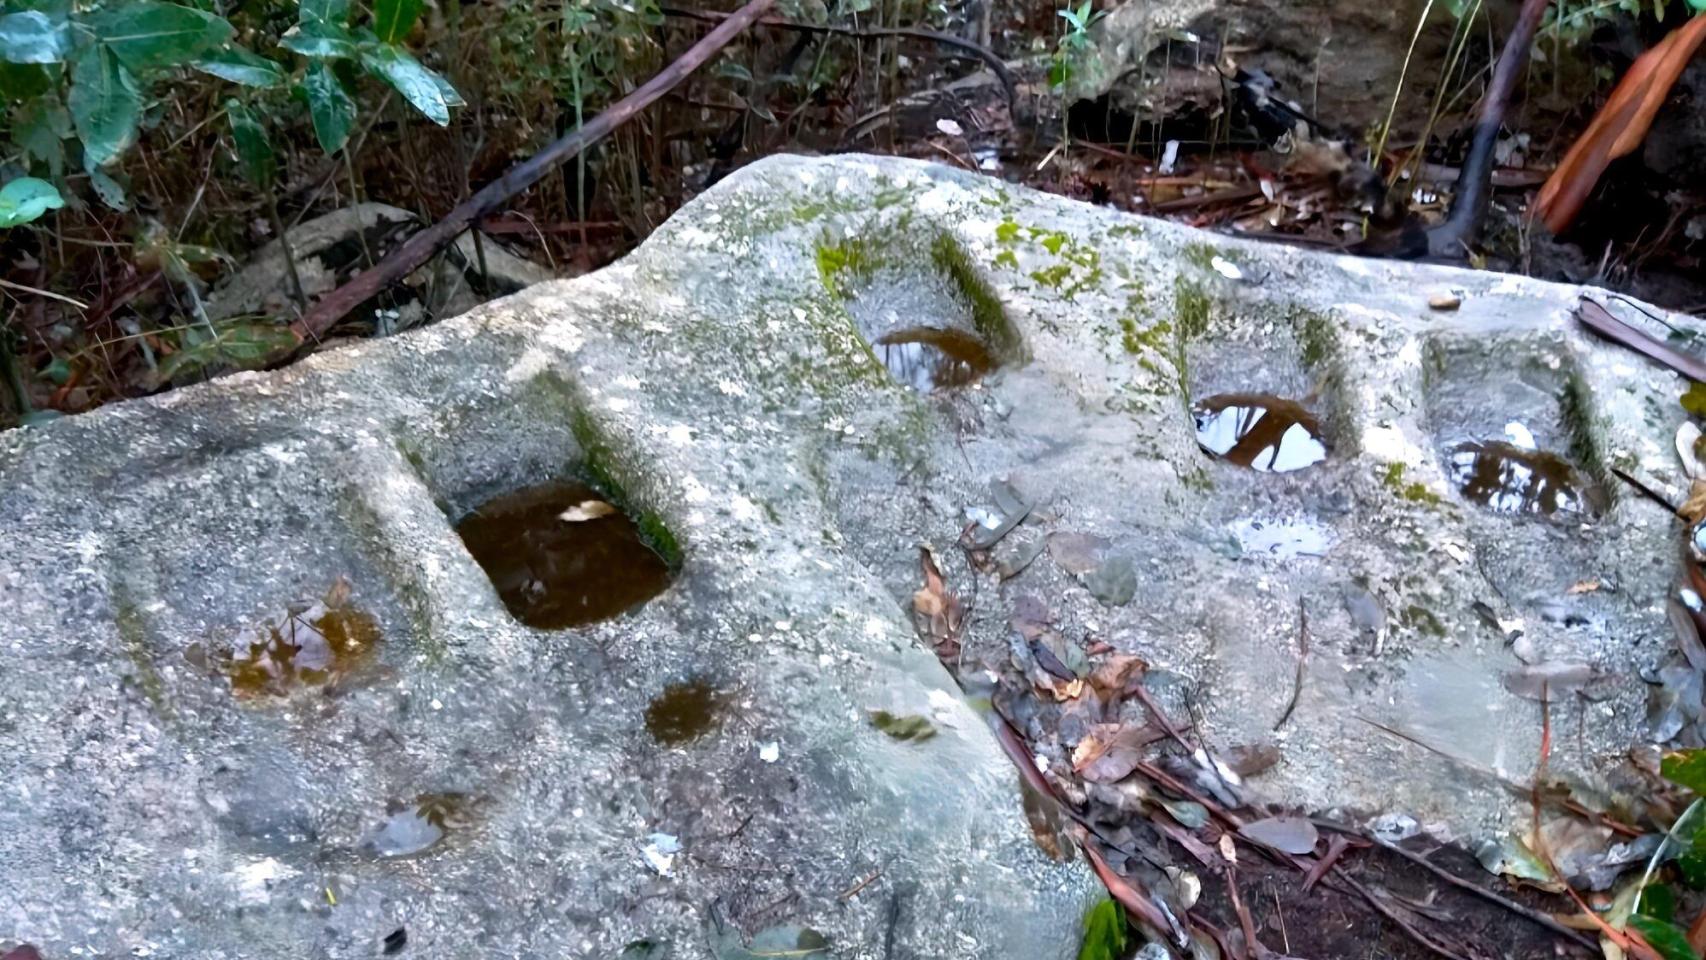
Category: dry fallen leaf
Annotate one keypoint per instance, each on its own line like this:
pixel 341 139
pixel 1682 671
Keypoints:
pixel 1111 751
pixel 586 510
pixel 1294 835
pixel 1111 677
pixel 1583 586
pixel 1228 848
pixel 941 611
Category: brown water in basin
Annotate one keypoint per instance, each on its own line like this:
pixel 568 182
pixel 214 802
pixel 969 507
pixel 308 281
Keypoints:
pixel 1506 478
pixel 312 644
pixel 684 712
pixel 1259 431
pixel 934 358
pixel 561 556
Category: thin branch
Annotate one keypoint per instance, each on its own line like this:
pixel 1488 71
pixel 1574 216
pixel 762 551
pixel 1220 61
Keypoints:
pixel 1302 656
pixel 43 293
pixel 422 246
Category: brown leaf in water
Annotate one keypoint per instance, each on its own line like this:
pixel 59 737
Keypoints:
pixel 586 510
pixel 1583 586
pixel 1111 751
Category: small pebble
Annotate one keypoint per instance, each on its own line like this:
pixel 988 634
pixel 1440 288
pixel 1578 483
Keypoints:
pixel 1445 301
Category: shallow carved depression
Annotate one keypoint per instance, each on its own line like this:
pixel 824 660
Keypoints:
pixel 1260 431
pixel 684 712
pixel 1507 478
pixel 927 318
pixel 560 555
pixel 313 643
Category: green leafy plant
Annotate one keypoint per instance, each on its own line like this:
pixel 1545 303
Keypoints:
pixel 1648 907
pixel 25 199
pixel 89 73
pixel 1073 42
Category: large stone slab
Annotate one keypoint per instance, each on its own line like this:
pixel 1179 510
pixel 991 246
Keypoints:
pixel 720 383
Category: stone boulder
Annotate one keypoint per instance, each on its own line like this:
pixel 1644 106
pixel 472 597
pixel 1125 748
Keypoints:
pixel 746 387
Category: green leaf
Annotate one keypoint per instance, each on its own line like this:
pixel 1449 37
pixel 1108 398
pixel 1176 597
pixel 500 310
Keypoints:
pixel 240 66
pixel 332 12
pixel 393 18
pixel 253 150
pixel 245 344
pixel 734 70
pixel 903 727
pixel 320 41
pixel 34 37
pixel 110 191
pixel 416 83
pixel 1667 938
pixel 1104 932
pixel 149 35
pixel 25 199
pixel 58 370
pixel 1686 768
pixel 1059 73
pixel 23 81
pixel 41 129
pixel 1659 902
pixel 1693 866
pixel 329 106
pixel 105 103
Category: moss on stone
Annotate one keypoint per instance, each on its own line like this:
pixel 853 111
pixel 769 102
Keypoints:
pixel 133 636
pixel 841 263
pixel 1052 277
pixel 1314 336
pixel 1392 476
pixel 1137 339
pixel 601 465
pixel 1199 255
pixel 1190 308
pixel 1576 408
pixel 1418 617
pixel 986 312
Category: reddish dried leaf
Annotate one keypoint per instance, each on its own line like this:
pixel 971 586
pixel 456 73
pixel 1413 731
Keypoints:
pixel 1620 125
pixel 1110 677
pixel 1111 751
